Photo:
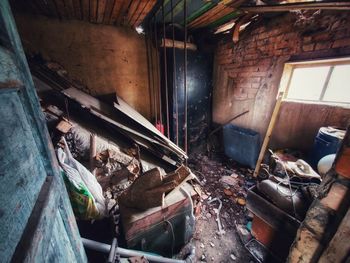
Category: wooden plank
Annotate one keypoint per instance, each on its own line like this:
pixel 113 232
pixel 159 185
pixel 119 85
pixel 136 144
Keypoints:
pixel 93 11
pixel 85 7
pixel 69 8
pixel 217 16
pixel 118 5
pixel 145 12
pixel 268 133
pixel 208 15
pixel 297 6
pixel 105 112
pixel 101 8
pixel 108 11
pixel 139 11
pixel 123 12
pixel 60 9
pixel 177 44
pixel 237 27
pixel 77 9
pixel 133 11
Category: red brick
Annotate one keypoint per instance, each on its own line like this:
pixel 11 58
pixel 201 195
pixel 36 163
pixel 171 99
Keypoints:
pixel 308 47
pixel 335 196
pixel 323 45
pixel 341 42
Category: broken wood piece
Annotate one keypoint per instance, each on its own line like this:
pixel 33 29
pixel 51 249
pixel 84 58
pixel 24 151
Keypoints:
pixel 149 189
pixel 269 132
pixel 64 126
pixel 240 22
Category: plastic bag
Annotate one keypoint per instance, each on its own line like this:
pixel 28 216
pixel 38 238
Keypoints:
pixel 84 191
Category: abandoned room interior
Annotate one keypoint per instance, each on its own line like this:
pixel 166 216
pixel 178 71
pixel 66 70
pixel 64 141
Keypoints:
pixel 175 131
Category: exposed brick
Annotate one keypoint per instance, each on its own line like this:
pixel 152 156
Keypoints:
pixel 308 47
pixel 323 45
pixel 335 196
pixel 304 248
pixel 341 42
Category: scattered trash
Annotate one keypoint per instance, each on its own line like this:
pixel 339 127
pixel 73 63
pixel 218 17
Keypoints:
pixel 217 211
pixel 211 244
pixel 228 192
pixel 241 201
pixel 233 257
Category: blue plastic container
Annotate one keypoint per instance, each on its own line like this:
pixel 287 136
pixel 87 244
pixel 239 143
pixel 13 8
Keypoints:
pixel 327 141
pixel 241 145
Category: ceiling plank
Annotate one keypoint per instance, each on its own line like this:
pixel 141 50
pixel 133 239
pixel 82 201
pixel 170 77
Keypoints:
pixel 108 11
pixel 77 9
pixel 101 8
pixel 134 7
pixel 297 6
pixel 123 11
pixel 61 9
pixel 93 11
pixel 70 8
pixel 145 12
pixel 116 11
pixel 85 7
pixel 212 12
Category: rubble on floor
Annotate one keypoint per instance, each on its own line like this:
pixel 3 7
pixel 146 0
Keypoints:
pixel 228 182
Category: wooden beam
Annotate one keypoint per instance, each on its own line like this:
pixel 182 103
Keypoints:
pixel 268 133
pixel 101 8
pixel 177 44
pixel 297 6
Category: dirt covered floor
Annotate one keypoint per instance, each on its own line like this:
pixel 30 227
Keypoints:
pixel 225 180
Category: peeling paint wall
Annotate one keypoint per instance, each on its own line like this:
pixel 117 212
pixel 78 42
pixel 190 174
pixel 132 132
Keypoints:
pixel 107 59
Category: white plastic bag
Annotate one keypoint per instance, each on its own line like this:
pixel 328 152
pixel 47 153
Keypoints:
pixel 81 177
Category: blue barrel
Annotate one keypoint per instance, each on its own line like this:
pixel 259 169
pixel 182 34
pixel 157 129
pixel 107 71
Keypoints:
pixel 241 145
pixel 327 141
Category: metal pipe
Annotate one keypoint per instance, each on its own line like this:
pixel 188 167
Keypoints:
pixel 165 76
pixel 123 252
pixel 185 73
pixel 111 255
pixel 174 77
pixel 158 73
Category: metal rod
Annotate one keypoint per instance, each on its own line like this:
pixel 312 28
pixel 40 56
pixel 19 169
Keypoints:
pixel 165 76
pixel 112 251
pixel 154 97
pixel 150 68
pixel 123 252
pixel 174 77
pixel 185 73
pixel 158 77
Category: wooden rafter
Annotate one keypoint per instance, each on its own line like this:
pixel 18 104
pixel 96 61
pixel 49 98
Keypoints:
pixel 297 6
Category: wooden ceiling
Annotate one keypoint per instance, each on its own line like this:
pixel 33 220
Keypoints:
pixel 111 12
pixel 209 14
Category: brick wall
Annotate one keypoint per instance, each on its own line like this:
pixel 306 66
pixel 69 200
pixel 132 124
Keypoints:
pixel 247 74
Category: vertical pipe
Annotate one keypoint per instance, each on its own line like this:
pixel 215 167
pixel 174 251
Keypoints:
pixel 185 72
pixel 165 75
pixel 174 77
pixel 154 100
pixel 158 73
pixel 150 69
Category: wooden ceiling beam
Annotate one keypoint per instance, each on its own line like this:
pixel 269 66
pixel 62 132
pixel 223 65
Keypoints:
pixel 297 6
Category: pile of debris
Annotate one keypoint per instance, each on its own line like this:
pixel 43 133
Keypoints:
pixel 117 165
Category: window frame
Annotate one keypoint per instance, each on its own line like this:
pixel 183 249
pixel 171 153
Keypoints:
pixel 289 70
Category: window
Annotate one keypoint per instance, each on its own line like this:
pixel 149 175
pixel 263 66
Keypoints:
pixel 326 81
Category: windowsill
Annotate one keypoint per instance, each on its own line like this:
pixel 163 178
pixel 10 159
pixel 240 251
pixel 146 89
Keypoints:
pixel 334 104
